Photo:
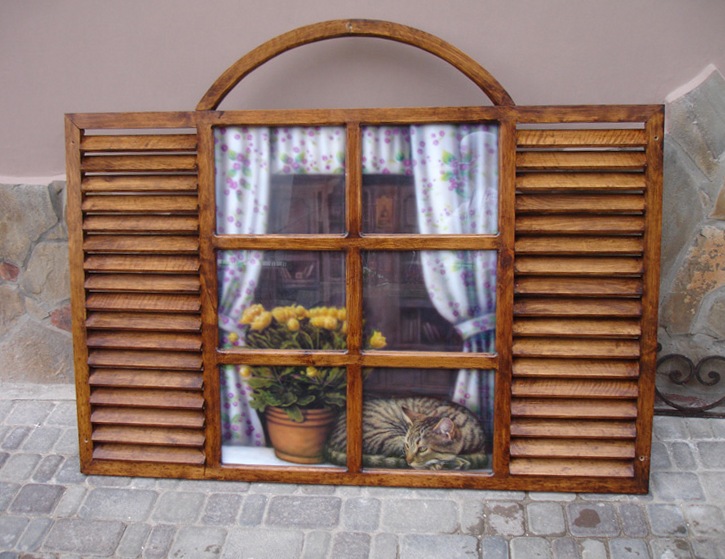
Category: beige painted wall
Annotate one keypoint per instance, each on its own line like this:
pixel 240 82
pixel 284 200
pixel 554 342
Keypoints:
pixel 59 56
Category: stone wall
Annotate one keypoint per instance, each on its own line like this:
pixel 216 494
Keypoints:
pixel 35 340
pixel 692 295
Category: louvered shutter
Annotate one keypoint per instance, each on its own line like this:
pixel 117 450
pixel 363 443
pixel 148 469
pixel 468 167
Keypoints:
pixel 133 229
pixel 586 256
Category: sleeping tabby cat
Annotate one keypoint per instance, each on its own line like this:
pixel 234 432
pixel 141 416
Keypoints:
pixel 418 432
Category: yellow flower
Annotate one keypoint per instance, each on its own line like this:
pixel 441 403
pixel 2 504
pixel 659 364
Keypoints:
pixel 312 372
pixel 233 337
pixel 377 340
pixel 250 313
pixel 342 314
pixel 330 323
pixel 262 321
pixel 293 324
pixel 300 312
pixel 343 329
pixel 245 371
pixel 317 321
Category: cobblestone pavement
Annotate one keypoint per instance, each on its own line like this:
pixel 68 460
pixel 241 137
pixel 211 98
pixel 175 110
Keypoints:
pixel 49 510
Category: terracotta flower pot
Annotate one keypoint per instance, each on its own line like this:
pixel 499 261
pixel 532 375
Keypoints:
pixel 302 443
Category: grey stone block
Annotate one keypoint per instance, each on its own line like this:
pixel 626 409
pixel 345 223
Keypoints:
pixel 71 501
pixel 42 439
pixel 714 485
pixel 494 547
pixel 418 546
pixel 565 548
pixel 660 457
pixel 63 415
pixel 178 507
pixel 593 549
pixel 10 529
pixel 672 486
pixel 667 520
pixel 668 428
pixel 634 521
pixel 47 468
pixel 712 454
pixel 670 548
pixel 197 542
pixel 505 519
pixel 628 549
pixel 705 520
pixel 351 545
pixel 413 515
pixel 277 544
pixel 708 548
pixel 133 540
pixel 7 493
pixel 222 508
pixel 84 537
pixel 304 511
pixel 530 548
pixel 361 514
pixel 546 519
pixel 253 510
pixel 15 437
pixel 19 467
pixel 159 541
pixel 36 498
pixel 34 534
pixel 16 202
pixel 472 518
pixel 127 505
pixel 592 519
pixel 699 427
pixel 384 546
pixel 682 455
pixel 316 545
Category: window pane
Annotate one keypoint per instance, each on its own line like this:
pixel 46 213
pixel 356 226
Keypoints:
pixel 431 179
pixel 280 180
pixel 276 290
pixel 432 300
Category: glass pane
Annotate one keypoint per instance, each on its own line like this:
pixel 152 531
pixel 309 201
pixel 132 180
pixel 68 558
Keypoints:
pixel 432 300
pixel 416 418
pixel 437 179
pixel 280 415
pixel 274 299
pixel 280 180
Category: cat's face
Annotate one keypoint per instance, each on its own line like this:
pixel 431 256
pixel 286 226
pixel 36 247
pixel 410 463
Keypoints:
pixel 431 442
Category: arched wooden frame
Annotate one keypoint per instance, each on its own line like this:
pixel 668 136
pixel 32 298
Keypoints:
pixel 580 257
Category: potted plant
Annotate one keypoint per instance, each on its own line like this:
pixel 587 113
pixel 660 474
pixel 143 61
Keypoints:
pixel 293 398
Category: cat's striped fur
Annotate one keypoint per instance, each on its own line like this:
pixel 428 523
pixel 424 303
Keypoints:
pixel 416 432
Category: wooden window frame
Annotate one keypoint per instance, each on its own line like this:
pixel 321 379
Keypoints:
pixel 579 204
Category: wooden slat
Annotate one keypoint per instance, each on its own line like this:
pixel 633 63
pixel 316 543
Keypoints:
pixel 145 398
pixel 546 182
pixel 580 160
pixel 585 203
pixel 581 138
pixel 582 348
pixel 574 368
pixel 165 341
pixel 148 436
pixel 148 283
pixel 583 225
pixel 579 245
pixel 545 448
pixel 577 409
pixel 581 266
pixel 141 224
pixel 148 417
pixel 582 328
pixel 141 453
pixel 142 263
pixel 129 378
pixel 143 302
pixel 578 307
pixel 155 244
pixel 145 204
pixel 143 321
pixel 578 287
pixel 573 429
pixel 576 388
pixel 139 142
pixel 139 183
pixel 126 359
pixel 571 468
pixel 142 163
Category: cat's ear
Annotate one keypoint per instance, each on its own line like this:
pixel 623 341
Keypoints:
pixel 411 416
pixel 447 428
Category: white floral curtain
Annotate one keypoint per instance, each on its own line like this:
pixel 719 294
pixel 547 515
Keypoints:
pixel 455 169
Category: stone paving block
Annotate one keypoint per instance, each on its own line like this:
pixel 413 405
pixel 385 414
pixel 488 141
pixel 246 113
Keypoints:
pixel 253 510
pixel 222 508
pixel 667 520
pixel 624 548
pixel 682 455
pixel 316 545
pixel 593 549
pixel 70 471
pixel 37 498
pixel 361 514
pixel 698 427
pixel 317 490
pixel 504 519
pixel 413 515
pixel 133 540
pixel 592 519
pixel 351 545
pixel 47 468
pixel 15 437
pixel 178 507
pixel 530 548
pixel 302 511
pixel 198 542
pixel 159 541
pixel 71 501
pixel 63 414
pixel 663 548
pixel 544 496
pixel 634 520
pixel 10 529
pixel 418 546
pixel 7 493
pixel 660 457
pixel 472 518
pixel 109 481
pixel 42 439
pixel 712 454
pixel 384 546
pixel 546 519
pixel 495 547
pixel 34 534
pixel 19 467
pixel 708 548
pixel 668 428
pixel 714 485
pixel 84 537
pixel 705 520
pixel 29 412
pixel 261 543
pixel 676 486
pixel 127 505
pixel 68 442
pixel 565 548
